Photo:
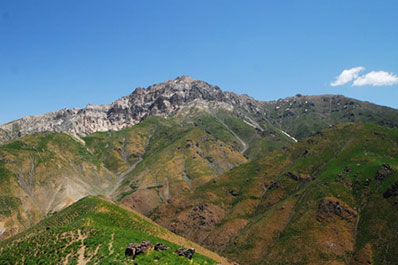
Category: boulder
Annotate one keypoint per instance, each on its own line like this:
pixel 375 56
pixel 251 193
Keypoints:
pixel 160 247
pixel 188 253
pixel 135 249
pixel 234 193
pixel 131 250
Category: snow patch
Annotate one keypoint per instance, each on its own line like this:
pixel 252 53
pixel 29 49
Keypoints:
pixel 288 135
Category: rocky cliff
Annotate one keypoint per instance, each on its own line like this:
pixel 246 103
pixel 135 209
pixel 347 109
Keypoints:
pixel 164 99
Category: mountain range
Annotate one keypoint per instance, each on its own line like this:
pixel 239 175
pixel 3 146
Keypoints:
pixel 300 180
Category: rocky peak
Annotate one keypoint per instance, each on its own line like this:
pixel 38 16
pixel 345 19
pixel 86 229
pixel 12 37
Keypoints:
pixel 163 99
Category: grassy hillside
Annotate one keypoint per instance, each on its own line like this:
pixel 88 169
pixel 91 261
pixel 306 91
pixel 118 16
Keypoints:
pixel 302 116
pixel 142 166
pixel 319 201
pixel 255 139
pixel 161 158
pixel 43 173
pixel 94 231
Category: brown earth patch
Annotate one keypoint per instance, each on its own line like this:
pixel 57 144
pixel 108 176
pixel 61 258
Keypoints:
pixel 252 244
pixel 221 236
pixel 143 200
pixel 364 256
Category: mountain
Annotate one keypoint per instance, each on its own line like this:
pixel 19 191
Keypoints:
pixel 45 172
pixel 330 199
pixel 142 166
pixel 299 116
pixel 165 99
pixel 96 231
pixel 213 166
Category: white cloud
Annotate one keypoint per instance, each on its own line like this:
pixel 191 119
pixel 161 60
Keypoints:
pixel 347 76
pixel 376 78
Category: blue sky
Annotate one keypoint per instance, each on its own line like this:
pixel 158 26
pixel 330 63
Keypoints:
pixel 64 54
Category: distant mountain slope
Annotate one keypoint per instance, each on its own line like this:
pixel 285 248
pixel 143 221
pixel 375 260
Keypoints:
pixel 302 116
pixel 43 173
pixel 298 116
pixel 330 199
pixel 94 231
pixel 160 158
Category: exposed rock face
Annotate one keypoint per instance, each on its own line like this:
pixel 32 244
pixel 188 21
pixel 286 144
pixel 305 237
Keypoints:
pixel 331 207
pixel 384 171
pixel 391 191
pixel 164 99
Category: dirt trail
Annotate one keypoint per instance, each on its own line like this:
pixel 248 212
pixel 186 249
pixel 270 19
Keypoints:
pixel 81 260
pixel 110 247
pixel 80 252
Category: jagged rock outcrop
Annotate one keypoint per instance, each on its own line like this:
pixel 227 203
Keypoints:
pixel 164 99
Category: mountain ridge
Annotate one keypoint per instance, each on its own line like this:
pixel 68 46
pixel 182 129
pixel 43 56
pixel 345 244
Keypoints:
pixel 163 99
pixel 168 98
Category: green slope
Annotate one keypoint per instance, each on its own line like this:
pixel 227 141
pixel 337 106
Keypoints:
pixel 302 116
pixel 316 202
pixel 94 231
pixel 43 173
pixel 161 158
pixel 142 166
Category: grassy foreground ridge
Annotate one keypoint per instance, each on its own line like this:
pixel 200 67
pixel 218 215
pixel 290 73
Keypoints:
pixel 95 231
